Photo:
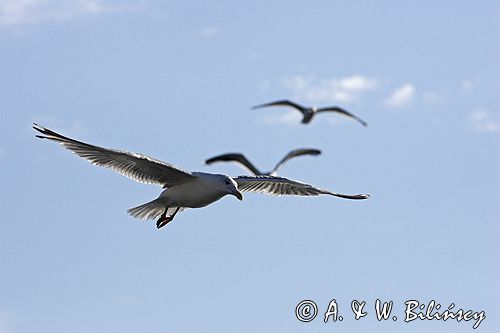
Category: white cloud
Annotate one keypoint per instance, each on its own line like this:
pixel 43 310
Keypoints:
pixel 208 32
pixel 16 13
pixel 329 90
pixel 357 83
pixel 481 121
pixel 402 96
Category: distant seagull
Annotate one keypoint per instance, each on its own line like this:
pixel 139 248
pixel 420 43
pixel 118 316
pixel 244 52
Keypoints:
pixel 246 164
pixel 308 112
pixel 183 189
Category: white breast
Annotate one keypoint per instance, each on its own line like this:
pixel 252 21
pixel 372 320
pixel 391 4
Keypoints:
pixel 200 192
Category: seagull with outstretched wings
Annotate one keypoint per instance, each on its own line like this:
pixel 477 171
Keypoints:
pixel 182 189
pixel 249 166
pixel 308 112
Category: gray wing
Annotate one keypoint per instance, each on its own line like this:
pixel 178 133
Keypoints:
pixel 138 167
pixel 235 157
pixel 295 153
pixel 343 112
pixel 283 186
pixel 284 102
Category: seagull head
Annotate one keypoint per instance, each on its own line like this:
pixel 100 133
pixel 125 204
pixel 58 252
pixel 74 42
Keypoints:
pixel 231 187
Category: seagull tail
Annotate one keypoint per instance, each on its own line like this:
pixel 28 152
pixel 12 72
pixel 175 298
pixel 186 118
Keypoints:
pixel 151 210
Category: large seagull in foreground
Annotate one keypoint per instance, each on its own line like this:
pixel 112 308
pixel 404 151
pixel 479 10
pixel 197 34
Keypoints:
pixel 308 112
pixel 183 189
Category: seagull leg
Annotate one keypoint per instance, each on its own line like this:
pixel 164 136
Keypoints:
pixel 171 217
pixel 163 220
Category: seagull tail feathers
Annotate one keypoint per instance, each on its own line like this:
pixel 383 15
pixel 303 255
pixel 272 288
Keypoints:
pixel 151 210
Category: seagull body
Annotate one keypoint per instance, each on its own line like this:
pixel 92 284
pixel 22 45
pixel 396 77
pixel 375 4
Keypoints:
pixel 249 166
pixel 183 189
pixel 207 189
pixel 308 112
pixel 203 190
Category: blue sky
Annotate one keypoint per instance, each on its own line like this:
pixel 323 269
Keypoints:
pixel 176 80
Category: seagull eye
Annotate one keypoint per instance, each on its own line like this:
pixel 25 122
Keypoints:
pixel 227 182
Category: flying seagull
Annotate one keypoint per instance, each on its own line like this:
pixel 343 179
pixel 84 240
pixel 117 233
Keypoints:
pixel 183 189
pixel 308 112
pixel 246 164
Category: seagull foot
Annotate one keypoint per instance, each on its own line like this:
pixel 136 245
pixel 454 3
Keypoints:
pixel 162 221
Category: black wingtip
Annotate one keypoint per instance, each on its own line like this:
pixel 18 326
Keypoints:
pixel 40 129
pixel 315 152
pixel 361 121
pixel 214 159
pixel 353 197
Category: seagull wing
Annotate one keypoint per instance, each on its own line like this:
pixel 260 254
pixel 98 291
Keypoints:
pixel 282 103
pixel 138 167
pixel 344 112
pixel 235 157
pixel 295 153
pixel 283 186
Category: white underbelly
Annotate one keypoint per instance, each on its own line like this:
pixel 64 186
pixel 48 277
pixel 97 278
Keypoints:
pixel 191 195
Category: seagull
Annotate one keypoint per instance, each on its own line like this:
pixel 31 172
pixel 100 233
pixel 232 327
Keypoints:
pixel 182 189
pixel 246 164
pixel 308 112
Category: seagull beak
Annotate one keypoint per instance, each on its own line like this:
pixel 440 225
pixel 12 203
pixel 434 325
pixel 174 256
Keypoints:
pixel 238 195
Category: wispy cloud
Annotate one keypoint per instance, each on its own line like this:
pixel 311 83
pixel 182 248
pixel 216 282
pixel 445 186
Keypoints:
pixel 481 121
pixel 15 13
pixel 208 32
pixel 402 96
pixel 469 84
pixel 329 90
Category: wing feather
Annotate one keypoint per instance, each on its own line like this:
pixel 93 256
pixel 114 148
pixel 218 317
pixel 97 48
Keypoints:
pixel 295 153
pixel 138 167
pixel 284 102
pixel 282 186
pixel 238 158
pixel 343 112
